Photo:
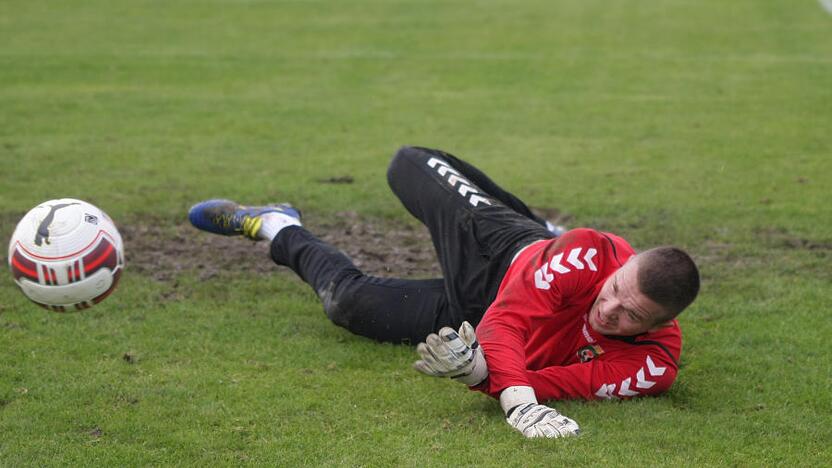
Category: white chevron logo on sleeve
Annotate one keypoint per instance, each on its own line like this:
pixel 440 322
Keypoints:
pixel 641 382
pixel 555 264
pixel 653 369
pixel 573 258
pixel 625 388
pixel 590 254
pixel 542 277
pixel 606 391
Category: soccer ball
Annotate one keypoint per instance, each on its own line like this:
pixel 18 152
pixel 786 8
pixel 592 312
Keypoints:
pixel 66 254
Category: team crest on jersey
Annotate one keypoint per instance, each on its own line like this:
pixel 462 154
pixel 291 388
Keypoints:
pixel 589 352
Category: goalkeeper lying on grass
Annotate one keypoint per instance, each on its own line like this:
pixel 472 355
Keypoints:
pixel 559 315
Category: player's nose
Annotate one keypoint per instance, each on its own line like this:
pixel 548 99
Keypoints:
pixel 602 312
pixel 607 312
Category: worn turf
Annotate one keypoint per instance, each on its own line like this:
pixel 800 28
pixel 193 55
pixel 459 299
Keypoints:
pixel 703 124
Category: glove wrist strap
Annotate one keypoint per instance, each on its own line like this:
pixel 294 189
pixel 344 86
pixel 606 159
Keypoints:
pixel 514 396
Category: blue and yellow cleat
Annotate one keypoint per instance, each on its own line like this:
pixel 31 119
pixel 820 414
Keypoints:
pixel 229 218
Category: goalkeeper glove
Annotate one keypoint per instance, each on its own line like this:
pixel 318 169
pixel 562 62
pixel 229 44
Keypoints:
pixel 455 355
pixel 533 419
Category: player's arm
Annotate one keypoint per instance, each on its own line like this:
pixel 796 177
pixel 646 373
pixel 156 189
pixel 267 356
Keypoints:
pixel 458 355
pixel 531 296
pixel 624 374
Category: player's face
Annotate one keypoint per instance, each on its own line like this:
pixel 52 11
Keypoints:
pixel 621 309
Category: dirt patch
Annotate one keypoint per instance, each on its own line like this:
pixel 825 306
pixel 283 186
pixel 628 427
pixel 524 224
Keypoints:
pixel 129 358
pixel 377 246
pixel 381 247
pixel 714 252
pixel 770 247
pixel 781 238
pixel 337 180
pixel 163 249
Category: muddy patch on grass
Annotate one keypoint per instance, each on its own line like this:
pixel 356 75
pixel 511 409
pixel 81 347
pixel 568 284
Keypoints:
pixel 381 247
pixel 377 246
pixel 337 180
pixel 164 249
pixel 714 251
pixel 781 238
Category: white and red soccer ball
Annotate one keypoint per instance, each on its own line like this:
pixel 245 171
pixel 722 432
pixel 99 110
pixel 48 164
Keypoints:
pixel 66 255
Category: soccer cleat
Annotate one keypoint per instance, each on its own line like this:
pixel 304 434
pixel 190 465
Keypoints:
pixel 228 218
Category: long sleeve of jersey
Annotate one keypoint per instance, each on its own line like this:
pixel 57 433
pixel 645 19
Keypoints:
pixel 503 336
pixel 629 374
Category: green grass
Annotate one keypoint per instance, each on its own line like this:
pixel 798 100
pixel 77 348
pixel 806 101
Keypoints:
pixel 704 124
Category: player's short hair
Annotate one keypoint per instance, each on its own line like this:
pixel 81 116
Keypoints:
pixel 669 277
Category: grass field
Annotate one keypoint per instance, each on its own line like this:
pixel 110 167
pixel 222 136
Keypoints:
pixel 704 124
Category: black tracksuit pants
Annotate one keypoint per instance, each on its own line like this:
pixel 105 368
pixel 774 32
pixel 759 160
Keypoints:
pixel 476 228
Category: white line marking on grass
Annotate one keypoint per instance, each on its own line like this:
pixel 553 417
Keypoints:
pixel 827 5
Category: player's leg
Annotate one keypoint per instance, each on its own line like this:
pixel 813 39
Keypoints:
pixel 474 233
pixel 383 309
pixel 481 180
pixel 485 183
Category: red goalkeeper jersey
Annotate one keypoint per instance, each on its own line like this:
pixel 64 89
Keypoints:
pixel 536 332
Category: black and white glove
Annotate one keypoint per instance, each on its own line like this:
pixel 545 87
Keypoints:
pixel 536 420
pixel 533 419
pixel 457 355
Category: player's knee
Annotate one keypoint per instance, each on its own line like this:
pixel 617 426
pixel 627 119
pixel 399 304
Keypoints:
pixel 402 161
pixel 339 308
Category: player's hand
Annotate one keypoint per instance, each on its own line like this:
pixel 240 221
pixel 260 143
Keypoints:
pixel 536 420
pixel 455 355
